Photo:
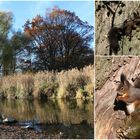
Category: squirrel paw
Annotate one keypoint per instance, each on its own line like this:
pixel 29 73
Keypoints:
pixel 118 98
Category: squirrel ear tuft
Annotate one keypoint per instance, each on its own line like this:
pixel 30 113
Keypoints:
pixel 123 78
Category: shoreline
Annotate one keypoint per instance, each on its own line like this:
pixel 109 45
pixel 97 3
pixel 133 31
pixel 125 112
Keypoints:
pixel 16 132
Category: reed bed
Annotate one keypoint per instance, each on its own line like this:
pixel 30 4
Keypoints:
pixel 73 83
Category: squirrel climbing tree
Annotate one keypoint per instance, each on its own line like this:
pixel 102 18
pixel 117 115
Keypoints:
pixel 117 27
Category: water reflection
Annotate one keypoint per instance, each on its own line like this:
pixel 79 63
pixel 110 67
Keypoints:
pixel 73 115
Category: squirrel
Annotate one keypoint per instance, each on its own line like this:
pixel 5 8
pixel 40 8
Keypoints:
pixel 128 26
pixel 114 36
pixel 129 94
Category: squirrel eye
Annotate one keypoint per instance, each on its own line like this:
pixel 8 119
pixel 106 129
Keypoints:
pixel 122 88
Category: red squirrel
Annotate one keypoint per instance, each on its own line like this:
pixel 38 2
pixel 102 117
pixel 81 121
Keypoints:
pixel 128 94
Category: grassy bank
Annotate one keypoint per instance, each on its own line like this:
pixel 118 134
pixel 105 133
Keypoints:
pixel 65 84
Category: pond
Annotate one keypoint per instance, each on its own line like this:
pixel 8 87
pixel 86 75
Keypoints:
pixel 73 118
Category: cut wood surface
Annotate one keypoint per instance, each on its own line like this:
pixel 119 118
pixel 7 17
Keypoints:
pixel 107 121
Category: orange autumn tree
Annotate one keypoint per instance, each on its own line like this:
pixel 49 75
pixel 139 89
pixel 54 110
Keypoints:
pixel 61 40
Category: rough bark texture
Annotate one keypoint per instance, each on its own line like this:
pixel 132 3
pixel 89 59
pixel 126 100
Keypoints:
pixel 103 24
pixel 108 122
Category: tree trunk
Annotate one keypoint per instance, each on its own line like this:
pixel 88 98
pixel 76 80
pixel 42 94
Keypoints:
pixel 103 24
pixel 107 121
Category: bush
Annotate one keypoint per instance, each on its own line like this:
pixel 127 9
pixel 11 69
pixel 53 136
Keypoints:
pixel 48 90
pixel 81 81
pixel 71 90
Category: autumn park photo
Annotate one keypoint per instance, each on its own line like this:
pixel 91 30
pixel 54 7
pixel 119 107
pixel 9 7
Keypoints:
pixel 46 69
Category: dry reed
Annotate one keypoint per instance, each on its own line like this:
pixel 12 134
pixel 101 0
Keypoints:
pixel 73 83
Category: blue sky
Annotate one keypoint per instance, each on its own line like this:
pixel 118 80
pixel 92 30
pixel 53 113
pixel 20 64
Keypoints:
pixel 24 10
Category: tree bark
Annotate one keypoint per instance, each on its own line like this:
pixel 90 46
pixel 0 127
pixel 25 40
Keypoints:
pixel 104 22
pixel 107 121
